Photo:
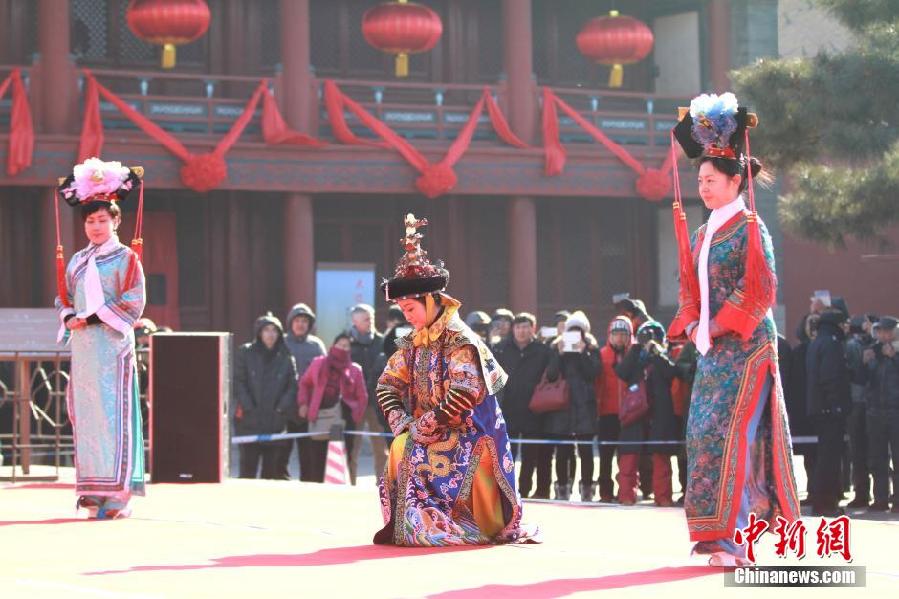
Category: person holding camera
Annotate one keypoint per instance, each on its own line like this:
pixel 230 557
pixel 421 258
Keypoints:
pixel 576 359
pixel 609 391
pixel 647 363
pixel 882 370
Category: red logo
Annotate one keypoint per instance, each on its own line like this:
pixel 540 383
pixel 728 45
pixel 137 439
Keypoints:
pixel 749 535
pixel 791 537
pixel 832 537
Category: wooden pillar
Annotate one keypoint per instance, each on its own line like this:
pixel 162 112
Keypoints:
pixel 298 98
pixel 55 107
pixel 55 103
pixel 522 106
pixel 719 44
pixel 518 62
pixel 57 100
pixel 523 254
pixel 54 97
pixel 455 32
pixel 235 30
pixel 299 103
pixel 299 249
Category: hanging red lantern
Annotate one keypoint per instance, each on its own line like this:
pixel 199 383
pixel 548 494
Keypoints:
pixel 615 40
pixel 168 22
pixel 402 28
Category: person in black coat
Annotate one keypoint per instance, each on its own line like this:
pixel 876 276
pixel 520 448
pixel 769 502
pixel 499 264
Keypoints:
pixel 858 340
pixel 784 362
pixel 685 362
pixel 647 361
pixel 265 385
pixel 882 371
pixel 828 403
pixel 525 360
pixel 578 367
pixel 795 401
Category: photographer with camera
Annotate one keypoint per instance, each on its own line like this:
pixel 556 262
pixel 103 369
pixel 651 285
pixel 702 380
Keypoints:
pixel 575 358
pixel 882 370
pixel 647 363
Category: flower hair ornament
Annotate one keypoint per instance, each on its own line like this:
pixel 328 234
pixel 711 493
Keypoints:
pixel 97 181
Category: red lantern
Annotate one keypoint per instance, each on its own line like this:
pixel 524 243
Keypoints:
pixel 168 22
pixel 402 28
pixel 615 40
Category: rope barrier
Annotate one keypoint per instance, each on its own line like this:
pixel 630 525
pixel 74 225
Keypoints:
pixel 240 440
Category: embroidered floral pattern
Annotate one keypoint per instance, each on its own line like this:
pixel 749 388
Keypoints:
pixel 428 501
pixel 729 380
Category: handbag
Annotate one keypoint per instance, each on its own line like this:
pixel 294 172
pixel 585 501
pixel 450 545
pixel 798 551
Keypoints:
pixel 327 418
pixel 550 396
pixel 634 404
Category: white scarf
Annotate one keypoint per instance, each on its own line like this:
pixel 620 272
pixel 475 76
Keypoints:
pixel 718 218
pixel 93 286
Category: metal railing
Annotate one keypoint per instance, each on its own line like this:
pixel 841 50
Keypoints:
pixel 40 430
pixel 36 404
pixel 179 103
pixel 627 117
pixel 206 105
pixel 425 111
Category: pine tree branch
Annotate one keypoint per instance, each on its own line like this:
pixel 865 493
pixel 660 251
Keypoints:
pixel 832 203
pixel 832 122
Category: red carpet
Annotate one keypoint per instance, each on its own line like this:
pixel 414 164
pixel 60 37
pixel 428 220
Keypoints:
pixel 259 539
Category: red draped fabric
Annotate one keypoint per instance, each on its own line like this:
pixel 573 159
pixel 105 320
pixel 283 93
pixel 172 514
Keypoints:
pixel 436 179
pixel 203 172
pixel 21 128
pixel 652 184
pixel 276 131
pixel 553 152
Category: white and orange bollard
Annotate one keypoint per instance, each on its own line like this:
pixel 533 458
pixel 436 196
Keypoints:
pixel 337 471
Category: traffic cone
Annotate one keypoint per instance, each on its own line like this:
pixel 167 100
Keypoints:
pixel 337 471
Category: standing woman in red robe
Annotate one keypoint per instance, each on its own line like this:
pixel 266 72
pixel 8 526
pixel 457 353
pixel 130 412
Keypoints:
pixel 739 454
